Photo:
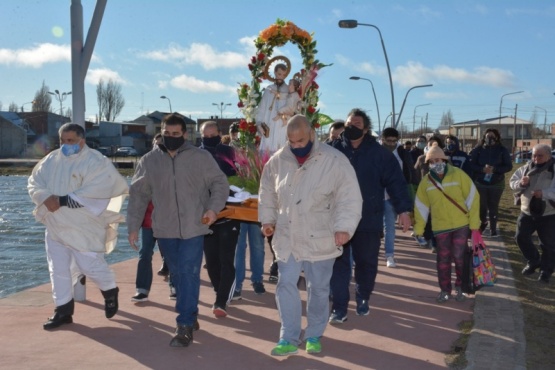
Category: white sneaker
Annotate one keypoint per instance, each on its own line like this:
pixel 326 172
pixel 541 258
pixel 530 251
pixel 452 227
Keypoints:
pixel 391 262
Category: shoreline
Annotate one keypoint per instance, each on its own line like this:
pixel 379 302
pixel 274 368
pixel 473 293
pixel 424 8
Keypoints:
pixel 26 171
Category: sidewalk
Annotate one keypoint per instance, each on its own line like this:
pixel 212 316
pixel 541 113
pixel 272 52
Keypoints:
pixel 406 328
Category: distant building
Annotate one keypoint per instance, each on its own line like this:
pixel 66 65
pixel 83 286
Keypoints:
pixel 13 139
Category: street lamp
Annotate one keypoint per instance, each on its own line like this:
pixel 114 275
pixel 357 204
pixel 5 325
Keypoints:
pixel 169 101
pixel 414 115
pixel 60 97
pixel 222 106
pixel 544 118
pixel 501 102
pixel 404 101
pixel 356 78
pixel 353 24
pixel 23 105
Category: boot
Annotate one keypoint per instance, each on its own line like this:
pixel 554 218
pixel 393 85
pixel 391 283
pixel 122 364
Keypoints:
pixel 62 315
pixel 110 301
pixel 183 336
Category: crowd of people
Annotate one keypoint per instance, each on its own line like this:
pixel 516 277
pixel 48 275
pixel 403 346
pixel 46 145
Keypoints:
pixel 324 208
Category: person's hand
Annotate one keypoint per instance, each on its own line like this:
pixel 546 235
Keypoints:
pixel 341 238
pixel 267 229
pixel 133 238
pixel 405 221
pixel 209 217
pixel 52 203
pixel 537 194
pixel 488 169
pixel 525 181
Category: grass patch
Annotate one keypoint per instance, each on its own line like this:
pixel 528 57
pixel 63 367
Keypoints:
pixel 456 358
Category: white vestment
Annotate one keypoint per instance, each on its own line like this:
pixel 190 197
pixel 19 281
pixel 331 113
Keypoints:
pixel 273 99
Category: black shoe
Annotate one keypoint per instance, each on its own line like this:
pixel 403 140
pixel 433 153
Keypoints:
pixel 183 336
pixel 110 302
pixel 57 320
pixel 139 297
pixel 544 277
pixel 530 269
pixel 163 271
pixel 258 288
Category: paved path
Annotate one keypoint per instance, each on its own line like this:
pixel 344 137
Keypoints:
pixel 406 328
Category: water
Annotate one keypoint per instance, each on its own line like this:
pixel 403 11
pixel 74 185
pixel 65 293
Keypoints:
pixel 22 255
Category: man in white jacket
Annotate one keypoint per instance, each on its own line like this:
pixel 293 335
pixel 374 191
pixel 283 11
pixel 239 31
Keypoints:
pixel 310 201
pixel 78 194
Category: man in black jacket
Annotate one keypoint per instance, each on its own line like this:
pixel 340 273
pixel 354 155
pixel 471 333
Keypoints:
pixel 377 170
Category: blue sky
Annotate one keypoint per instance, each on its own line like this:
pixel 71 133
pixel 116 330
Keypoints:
pixel 196 53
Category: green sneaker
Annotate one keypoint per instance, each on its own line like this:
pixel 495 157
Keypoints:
pixel 313 345
pixel 284 348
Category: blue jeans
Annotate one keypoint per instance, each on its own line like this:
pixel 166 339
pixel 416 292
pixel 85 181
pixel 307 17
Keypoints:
pixel 143 281
pixel 389 217
pixel 288 299
pixel 184 259
pixel 256 248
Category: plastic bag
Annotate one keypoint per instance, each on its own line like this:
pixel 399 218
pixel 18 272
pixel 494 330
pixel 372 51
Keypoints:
pixel 483 267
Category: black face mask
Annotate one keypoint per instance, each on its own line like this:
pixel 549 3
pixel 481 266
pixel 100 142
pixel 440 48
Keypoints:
pixel 211 141
pixel 302 152
pixel 353 133
pixel 490 140
pixel 173 143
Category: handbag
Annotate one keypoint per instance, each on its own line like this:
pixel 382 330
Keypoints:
pixel 468 285
pixel 483 267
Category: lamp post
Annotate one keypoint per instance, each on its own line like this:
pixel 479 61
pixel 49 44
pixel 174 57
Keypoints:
pixel 23 105
pixel 169 101
pixel 544 118
pixel 222 106
pixel 414 114
pixel 60 97
pixel 356 78
pixel 501 102
pixel 353 24
pixel 404 101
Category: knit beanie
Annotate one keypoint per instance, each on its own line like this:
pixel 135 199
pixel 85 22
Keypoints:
pixel 435 152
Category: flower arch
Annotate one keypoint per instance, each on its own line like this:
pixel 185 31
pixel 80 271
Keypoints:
pixel 277 35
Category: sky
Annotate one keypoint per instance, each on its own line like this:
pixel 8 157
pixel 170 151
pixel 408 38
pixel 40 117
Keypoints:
pixel 196 53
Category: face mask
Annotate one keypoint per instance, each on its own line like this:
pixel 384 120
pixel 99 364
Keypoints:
pixel 173 143
pixel 69 149
pixel 302 152
pixel 490 140
pixel 353 133
pixel 438 168
pixel 421 145
pixel 211 141
pixel 451 147
pixel 391 147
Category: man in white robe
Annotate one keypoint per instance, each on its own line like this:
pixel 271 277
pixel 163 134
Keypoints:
pixel 273 100
pixel 78 193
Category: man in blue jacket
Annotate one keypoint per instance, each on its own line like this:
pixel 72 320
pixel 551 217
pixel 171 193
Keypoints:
pixel 377 170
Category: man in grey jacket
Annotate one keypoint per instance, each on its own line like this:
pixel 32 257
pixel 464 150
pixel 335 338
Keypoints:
pixel 187 189
pixel 310 201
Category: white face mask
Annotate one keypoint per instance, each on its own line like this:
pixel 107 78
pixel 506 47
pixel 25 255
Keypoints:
pixel 438 167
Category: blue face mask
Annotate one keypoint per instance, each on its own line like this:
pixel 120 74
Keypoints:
pixel 69 149
pixel 302 152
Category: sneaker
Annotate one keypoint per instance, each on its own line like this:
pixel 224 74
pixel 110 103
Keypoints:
pixel 442 297
pixel 284 348
pixel 236 296
pixel 391 262
pixel 460 297
pixel 362 308
pixel 313 345
pixel 259 287
pixel 273 279
pixel 421 241
pixel 337 318
pixel 163 271
pixel 139 297
pixel 218 311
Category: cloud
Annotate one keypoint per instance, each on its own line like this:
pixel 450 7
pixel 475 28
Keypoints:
pixel 35 56
pixel 193 84
pixel 94 76
pixel 203 55
pixel 414 73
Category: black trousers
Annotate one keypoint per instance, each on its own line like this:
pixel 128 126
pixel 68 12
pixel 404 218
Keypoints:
pixel 490 196
pixel 219 252
pixel 545 227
